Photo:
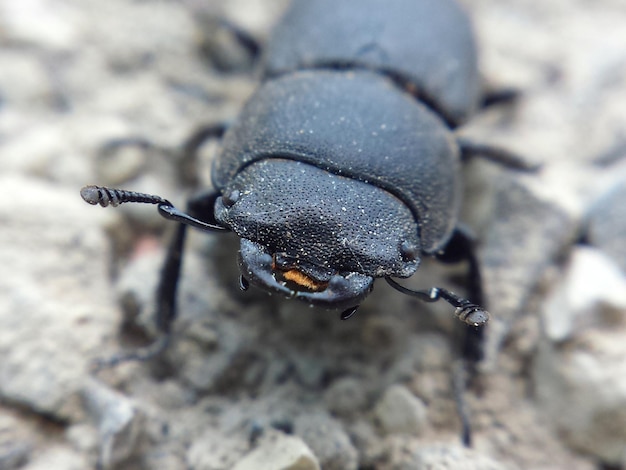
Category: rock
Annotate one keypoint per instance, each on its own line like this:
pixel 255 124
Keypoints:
pixel 78 75
pixel 14 455
pixel 84 437
pixel 41 23
pixel 57 456
pixel 56 307
pixel 607 224
pixel 346 396
pixel 592 290
pixel 279 452
pixel 399 411
pixel 579 372
pixel 366 439
pixel 215 451
pixel 119 422
pixel 16 446
pixel 328 440
pixel 25 79
pixel 214 354
pixel 410 455
pixel 121 160
pixel 580 387
pixel 526 233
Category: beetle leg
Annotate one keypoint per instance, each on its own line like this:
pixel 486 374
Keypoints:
pixel 220 53
pixel 200 209
pixel 470 148
pixel 199 215
pixel 500 97
pixel 188 166
pixel 243 37
pixel 461 248
pixel 472 349
pixel 166 294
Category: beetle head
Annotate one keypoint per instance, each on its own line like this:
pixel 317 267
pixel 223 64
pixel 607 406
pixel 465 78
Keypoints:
pixel 314 235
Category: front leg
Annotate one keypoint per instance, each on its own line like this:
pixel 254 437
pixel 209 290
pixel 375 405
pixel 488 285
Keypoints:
pixel 471 311
pixel 462 247
pixel 199 215
pixel 199 207
pixel 471 148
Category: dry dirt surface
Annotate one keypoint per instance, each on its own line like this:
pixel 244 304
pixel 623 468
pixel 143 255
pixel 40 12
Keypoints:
pixel 107 92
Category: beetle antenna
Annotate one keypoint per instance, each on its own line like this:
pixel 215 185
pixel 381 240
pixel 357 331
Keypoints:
pixel 114 197
pixel 466 311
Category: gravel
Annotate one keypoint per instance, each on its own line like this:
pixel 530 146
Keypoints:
pixel 96 92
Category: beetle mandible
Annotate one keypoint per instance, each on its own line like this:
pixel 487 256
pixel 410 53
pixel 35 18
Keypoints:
pixel 344 166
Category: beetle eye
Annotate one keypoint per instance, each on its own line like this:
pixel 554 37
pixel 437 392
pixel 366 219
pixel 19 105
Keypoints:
pixel 409 251
pixel 229 199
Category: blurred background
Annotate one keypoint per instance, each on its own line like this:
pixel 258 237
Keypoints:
pixel 106 93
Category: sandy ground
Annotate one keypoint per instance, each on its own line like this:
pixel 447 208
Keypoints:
pixel 107 92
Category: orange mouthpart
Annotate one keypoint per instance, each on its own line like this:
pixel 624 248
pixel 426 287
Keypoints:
pixel 301 279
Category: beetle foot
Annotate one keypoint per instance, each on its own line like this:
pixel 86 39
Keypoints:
pixel 466 311
pixel 472 314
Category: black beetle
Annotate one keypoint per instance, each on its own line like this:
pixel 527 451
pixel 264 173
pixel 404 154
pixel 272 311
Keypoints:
pixel 344 166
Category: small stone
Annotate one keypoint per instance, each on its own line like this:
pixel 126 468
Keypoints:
pixel 592 285
pixel 15 446
pixel 328 440
pixel 41 23
pixel 366 439
pixel 581 390
pixel 279 452
pixel 121 160
pixel 58 457
pixel 83 437
pixel 453 457
pixel 214 451
pixel 399 411
pixel 119 421
pixel 607 224
pixel 410 455
pixel 56 307
pixel 346 396
pixel 527 231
